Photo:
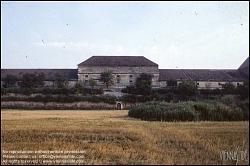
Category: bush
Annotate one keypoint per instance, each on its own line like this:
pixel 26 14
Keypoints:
pixel 228 99
pixel 217 112
pixel 244 106
pixel 210 92
pixel 189 111
pixel 163 112
pixel 187 88
pixel 135 98
pixel 129 89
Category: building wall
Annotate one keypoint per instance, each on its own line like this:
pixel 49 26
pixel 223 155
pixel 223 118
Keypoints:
pixel 207 84
pixel 71 83
pixel 123 76
pixel 163 84
pixel 215 84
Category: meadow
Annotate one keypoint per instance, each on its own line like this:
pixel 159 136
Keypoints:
pixel 111 137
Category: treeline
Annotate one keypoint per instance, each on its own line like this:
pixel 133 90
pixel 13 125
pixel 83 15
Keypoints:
pixel 185 91
pixel 35 80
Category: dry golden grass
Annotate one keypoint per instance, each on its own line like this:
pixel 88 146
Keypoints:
pixel 110 137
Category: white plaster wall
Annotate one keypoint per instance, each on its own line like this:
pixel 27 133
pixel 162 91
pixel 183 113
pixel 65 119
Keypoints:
pixel 215 84
pixel 123 72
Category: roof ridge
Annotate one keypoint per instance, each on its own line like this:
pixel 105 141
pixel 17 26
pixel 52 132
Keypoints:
pixel 113 61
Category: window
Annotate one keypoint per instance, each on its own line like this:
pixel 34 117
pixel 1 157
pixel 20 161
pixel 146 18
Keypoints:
pixel 118 76
pixel 130 81
pixel 219 83
pixel 130 76
pixel 198 83
pixel 171 83
pixel 86 76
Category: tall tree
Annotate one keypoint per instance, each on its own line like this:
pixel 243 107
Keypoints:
pixel 92 83
pixel 143 83
pixel 79 87
pixel 32 80
pixel 10 81
pixel 188 88
pixel 107 78
pixel 61 81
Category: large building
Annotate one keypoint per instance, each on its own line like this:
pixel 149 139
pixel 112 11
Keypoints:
pixel 126 69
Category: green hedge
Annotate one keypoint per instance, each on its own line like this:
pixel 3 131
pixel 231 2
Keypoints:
pixel 51 91
pixel 61 98
pixel 188 111
pixel 162 111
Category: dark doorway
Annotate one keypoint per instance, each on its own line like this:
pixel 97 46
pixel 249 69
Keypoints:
pixel 119 106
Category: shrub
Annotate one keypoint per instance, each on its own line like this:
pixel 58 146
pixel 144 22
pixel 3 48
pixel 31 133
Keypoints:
pixel 32 80
pixel 244 106
pixel 189 111
pixel 187 88
pixel 163 112
pixel 135 98
pixel 9 81
pixel 129 89
pixel 210 92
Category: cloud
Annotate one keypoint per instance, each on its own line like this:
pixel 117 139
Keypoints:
pixel 64 44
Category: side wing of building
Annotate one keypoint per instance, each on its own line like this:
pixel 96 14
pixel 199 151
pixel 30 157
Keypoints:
pixel 204 78
pixel 50 75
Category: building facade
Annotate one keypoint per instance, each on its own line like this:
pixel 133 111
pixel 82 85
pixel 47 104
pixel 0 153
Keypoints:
pixel 126 69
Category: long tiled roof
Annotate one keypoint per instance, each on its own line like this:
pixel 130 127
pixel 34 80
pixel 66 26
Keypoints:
pixel 244 68
pixel 245 64
pixel 241 74
pixel 200 75
pixel 50 74
pixel 113 61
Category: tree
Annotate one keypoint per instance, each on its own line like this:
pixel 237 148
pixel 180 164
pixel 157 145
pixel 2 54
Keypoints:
pixel 92 83
pixel 79 87
pixel 39 79
pixel 243 90
pixel 187 88
pixel 61 81
pixel 171 83
pixel 10 81
pixel 143 83
pixel 32 80
pixel 107 78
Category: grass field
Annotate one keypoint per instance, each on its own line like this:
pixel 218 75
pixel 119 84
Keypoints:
pixel 111 137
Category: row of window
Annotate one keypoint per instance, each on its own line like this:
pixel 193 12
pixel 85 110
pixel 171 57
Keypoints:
pixel 86 76
pixel 220 83
pixel 117 80
pixel 174 83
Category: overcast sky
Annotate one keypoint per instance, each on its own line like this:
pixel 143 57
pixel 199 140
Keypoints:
pixel 195 35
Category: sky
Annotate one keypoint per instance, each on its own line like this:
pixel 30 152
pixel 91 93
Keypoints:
pixel 175 35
